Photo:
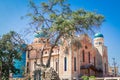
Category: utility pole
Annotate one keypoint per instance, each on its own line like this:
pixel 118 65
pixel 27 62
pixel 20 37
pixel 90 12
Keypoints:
pixel 114 64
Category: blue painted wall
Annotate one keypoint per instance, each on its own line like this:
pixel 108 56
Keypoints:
pixel 20 65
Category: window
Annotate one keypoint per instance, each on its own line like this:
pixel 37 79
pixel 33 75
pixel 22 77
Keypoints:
pixel 94 61
pixel 89 57
pixel 35 41
pixel 113 71
pixel 86 47
pixel 27 67
pixel 65 64
pixel 100 43
pixel 74 63
pixel 39 41
pixel 105 68
pixel 45 52
pixel 56 66
pixel 40 49
pixel 83 56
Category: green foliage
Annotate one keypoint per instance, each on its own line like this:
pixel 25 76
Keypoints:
pixel 9 45
pixel 85 77
pixel 57 16
pixel 92 78
pixel 88 78
pixel 61 21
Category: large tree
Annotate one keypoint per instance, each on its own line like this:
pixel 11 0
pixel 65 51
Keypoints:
pixel 10 44
pixel 59 20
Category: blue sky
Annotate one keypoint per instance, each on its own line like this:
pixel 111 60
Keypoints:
pixel 12 10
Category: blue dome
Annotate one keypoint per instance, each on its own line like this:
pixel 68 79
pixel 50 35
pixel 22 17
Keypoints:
pixel 40 34
pixel 98 35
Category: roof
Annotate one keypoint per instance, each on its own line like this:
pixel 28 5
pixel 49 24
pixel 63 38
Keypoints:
pixel 98 35
pixel 40 34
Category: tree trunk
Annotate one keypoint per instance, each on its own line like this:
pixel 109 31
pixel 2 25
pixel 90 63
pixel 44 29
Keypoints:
pixel 51 50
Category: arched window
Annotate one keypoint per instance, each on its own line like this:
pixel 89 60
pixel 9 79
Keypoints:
pixel 56 64
pixel 83 56
pixel 74 63
pixel 89 57
pixel 27 67
pixel 65 63
pixel 86 47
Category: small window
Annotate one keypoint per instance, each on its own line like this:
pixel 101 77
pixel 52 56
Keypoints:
pixel 43 41
pixel 86 47
pixel 45 52
pixel 100 43
pixel 40 49
pixel 53 51
pixel 39 41
pixel 112 70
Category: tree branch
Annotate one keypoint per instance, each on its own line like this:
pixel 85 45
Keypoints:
pixel 51 50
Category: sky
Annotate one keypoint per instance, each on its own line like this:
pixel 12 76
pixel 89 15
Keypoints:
pixel 11 12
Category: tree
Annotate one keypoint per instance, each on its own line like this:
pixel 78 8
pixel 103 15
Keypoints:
pixel 9 45
pixel 58 20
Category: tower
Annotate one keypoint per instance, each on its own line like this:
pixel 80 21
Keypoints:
pixel 102 52
pixel 98 40
pixel 40 36
pixel 34 53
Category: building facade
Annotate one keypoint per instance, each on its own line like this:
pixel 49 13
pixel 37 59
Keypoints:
pixel 73 59
pixel 113 71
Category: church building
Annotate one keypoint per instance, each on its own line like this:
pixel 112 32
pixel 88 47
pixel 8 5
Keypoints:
pixel 75 58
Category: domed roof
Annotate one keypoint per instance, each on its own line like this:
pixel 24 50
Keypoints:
pixel 40 34
pixel 98 35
